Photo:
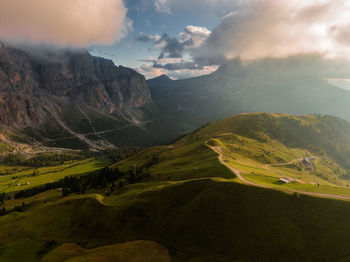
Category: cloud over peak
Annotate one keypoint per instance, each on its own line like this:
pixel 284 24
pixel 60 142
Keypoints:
pixel 78 23
pixel 274 28
pixel 174 47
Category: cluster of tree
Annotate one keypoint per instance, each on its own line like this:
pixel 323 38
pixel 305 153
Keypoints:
pixel 118 154
pixel 77 184
pixel 151 162
pixel 52 159
pixel 4 211
pixel 41 160
pixel 95 180
pixel 2 198
pixel 13 159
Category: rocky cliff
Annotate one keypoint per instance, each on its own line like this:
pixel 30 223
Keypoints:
pixel 38 85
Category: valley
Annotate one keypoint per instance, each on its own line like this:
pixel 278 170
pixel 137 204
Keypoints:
pixel 225 176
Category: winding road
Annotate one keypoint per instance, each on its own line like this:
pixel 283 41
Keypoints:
pixel 238 173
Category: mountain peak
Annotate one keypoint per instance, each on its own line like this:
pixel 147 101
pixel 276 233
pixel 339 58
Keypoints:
pixel 162 77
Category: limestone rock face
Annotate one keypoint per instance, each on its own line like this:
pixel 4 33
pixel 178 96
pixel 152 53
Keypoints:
pixel 34 86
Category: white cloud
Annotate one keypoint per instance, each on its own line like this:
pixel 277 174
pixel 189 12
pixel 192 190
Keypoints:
pixel 150 72
pixel 195 33
pixel 77 23
pixel 275 28
pixel 162 6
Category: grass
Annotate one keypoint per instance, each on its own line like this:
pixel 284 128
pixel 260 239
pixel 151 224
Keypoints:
pixel 189 158
pixel 136 251
pixel 19 250
pixel 193 206
pixel 198 220
pixel 254 158
pixel 274 181
pixel 179 162
pixel 23 179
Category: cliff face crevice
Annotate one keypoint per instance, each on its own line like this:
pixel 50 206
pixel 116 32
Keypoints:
pixel 33 84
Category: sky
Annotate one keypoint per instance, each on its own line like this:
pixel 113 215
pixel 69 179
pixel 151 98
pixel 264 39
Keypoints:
pixel 182 38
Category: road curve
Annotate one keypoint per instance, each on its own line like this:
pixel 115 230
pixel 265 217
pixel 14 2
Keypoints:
pixel 237 172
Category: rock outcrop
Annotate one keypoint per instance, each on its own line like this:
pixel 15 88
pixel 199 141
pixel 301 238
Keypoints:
pixel 35 87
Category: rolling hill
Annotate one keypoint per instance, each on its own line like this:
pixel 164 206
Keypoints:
pixel 184 204
pixel 261 139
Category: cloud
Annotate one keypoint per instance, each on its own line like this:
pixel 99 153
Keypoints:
pixel 150 71
pixel 311 35
pixel 172 51
pixel 175 47
pixel 196 34
pixel 179 66
pixel 274 28
pixel 170 47
pixel 77 23
pixel 147 38
pixel 170 6
pixel 341 34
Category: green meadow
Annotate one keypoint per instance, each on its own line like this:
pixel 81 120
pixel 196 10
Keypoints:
pixel 24 177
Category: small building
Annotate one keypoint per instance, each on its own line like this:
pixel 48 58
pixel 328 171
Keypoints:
pixel 285 180
pixel 309 160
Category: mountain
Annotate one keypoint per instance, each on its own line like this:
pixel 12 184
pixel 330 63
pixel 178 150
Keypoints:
pixel 69 93
pixel 291 85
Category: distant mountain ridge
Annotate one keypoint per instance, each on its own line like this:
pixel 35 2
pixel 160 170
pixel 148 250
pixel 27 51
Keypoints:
pixel 289 86
pixel 68 98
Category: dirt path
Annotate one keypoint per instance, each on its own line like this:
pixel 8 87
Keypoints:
pixel 270 167
pixel 237 172
pixel 286 164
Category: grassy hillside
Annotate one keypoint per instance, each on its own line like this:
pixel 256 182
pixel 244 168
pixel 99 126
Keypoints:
pixel 202 220
pixel 193 208
pixel 255 143
pixel 15 178
pixel 318 134
pixel 137 251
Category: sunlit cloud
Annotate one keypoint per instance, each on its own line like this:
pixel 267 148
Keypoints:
pixel 78 23
pixel 274 28
pixel 175 68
